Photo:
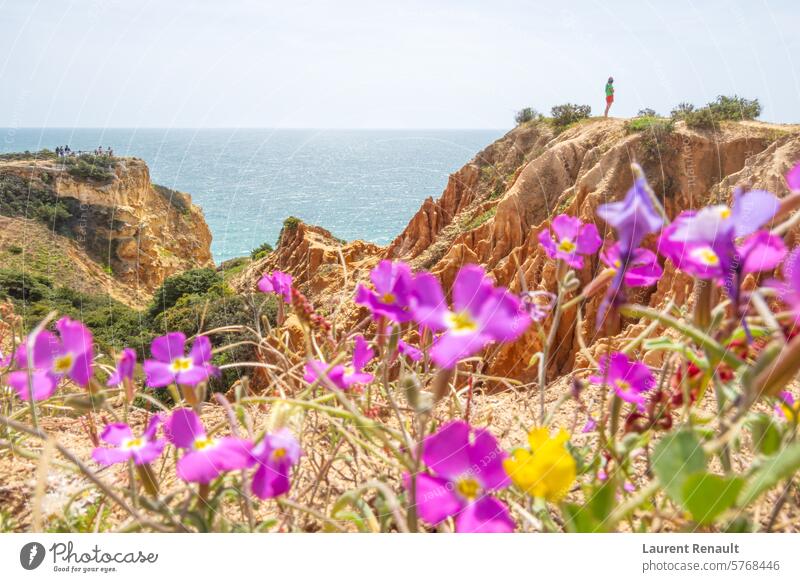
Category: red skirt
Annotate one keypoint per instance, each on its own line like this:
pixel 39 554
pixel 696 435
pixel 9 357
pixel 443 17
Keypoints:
pixel 609 98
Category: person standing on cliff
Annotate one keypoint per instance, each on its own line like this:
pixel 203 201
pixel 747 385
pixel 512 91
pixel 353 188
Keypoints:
pixel 609 94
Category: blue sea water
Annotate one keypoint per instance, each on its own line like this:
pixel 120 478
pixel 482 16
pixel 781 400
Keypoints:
pixel 356 183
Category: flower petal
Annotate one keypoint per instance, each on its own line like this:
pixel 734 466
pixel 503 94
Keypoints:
pixel 115 433
pixel 201 350
pixel 110 456
pixel 183 427
pixel 435 499
pixel 168 347
pixel 447 452
pixel 486 515
pixel 157 373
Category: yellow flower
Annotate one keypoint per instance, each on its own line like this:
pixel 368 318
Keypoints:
pixel 547 470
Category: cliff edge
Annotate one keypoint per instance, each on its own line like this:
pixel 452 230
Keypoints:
pixel 97 224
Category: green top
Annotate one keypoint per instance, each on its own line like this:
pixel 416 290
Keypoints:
pixel 609 89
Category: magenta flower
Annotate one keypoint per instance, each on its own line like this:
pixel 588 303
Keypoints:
pixel 277 282
pixel 172 365
pixel 482 313
pixel 789 288
pixel 67 356
pixel 793 178
pixel 343 377
pixel 706 243
pixel 633 217
pixel 572 240
pixel 409 351
pixel 629 379
pixel 392 295
pixel 205 457
pixel 466 465
pixel 125 367
pixel 643 268
pixel 142 450
pixel 276 454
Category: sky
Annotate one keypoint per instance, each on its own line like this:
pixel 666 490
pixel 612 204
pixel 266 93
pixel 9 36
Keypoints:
pixel 379 64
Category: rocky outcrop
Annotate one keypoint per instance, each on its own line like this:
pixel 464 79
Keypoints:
pixel 494 208
pixel 134 231
pixel 321 265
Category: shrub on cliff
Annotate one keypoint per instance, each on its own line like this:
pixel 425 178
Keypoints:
pixel 568 113
pixel 291 222
pixel 30 198
pixel 35 296
pixel 193 282
pixel 655 131
pixel 723 108
pixel 261 251
pixel 734 108
pixel 526 114
pixel 90 167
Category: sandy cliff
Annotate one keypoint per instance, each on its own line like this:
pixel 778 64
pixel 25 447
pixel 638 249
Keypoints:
pixel 493 209
pixel 119 234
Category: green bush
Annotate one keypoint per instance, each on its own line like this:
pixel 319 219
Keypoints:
pixel 724 108
pixel 27 155
pixel 261 251
pixel 91 167
pixel 700 119
pixel 200 313
pixel 193 282
pixel 734 108
pixel 647 112
pixel 656 125
pixel 526 114
pixel 31 199
pixel 681 110
pixel 291 222
pixel 568 113
pixel 114 324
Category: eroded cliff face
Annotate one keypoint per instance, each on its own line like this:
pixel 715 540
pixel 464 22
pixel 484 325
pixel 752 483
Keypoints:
pixel 135 233
pixel 494 208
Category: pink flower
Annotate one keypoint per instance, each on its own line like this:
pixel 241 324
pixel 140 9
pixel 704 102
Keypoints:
pixel 466 466
pixel 409 351
pixel 125 367
pixel 67 356
pixel 572 239
pixel 205 457
pixel 170 364
pixel 481 314
pixel 643 269
pixel 392 294
pixel 629 379
pixel 343 377
pixel 142 450
pixel 276 454
pixel 277 282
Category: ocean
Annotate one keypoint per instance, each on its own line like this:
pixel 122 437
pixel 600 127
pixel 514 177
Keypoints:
pixel 359 184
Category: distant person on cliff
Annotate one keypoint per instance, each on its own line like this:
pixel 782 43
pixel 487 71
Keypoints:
pixel 609 94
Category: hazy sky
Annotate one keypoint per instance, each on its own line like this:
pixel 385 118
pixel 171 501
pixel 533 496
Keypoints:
pixel 378 64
